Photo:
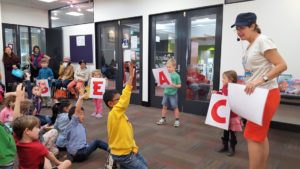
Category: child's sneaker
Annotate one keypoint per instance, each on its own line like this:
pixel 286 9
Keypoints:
pixel 93 114
pixel 161 121
pixel 176 123
pixel 98 115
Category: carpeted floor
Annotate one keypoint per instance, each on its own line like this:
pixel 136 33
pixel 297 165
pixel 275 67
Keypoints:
pixel 191 146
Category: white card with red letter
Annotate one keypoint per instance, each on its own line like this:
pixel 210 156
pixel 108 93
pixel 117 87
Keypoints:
pixel 218 112
pixel 45 89
pixel 252 106
pixel 97 88
pixel 162 77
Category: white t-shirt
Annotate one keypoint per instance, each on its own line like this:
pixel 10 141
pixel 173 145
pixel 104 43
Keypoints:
pixel 255 62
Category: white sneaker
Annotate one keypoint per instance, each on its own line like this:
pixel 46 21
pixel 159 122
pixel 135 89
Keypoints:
pixel 93 114
pixel 176 123
pixel 98 115
pixel 161 121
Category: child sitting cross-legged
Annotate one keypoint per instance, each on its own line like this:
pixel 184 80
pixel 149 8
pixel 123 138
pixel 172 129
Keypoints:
pixel 77 145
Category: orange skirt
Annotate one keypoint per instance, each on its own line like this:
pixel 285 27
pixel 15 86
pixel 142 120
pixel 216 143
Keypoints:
pixel 256 132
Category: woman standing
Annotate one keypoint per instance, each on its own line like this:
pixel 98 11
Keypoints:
pixel 35 61
pixel 262 64
pixel 10 61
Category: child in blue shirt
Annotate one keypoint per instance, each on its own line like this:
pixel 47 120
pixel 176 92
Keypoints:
pixel 46 73
pixel 77 145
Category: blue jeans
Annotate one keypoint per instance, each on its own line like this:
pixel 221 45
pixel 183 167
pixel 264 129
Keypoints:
pixel 170 101
pixel 7 167
pixel 131 161
pixel 83 153
pixel 61 83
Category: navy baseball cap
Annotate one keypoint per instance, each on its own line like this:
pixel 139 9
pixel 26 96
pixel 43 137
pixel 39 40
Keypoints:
pixel 244 19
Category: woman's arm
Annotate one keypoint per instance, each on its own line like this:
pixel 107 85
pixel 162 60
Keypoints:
pixel 279 66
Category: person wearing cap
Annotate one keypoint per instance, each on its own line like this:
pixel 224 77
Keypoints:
pixel 262 64
pixel 81 76
pixel 66 73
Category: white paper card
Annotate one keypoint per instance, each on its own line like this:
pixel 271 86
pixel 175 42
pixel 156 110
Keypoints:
pixel 80 40
pixel 134 40
pixel 162 77
pixel 127 55
pixel 218 114
pixel 250 107
pixel 97 88
pixel 43 84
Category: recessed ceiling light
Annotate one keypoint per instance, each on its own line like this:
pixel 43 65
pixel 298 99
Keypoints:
pixel 74 13
pixel 54 18
pixel 48 1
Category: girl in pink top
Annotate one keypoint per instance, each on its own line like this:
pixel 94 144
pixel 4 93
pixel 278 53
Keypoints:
pixel 6 114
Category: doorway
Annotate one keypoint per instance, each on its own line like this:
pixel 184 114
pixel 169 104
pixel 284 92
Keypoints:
pixel 193 38
pixel 119 42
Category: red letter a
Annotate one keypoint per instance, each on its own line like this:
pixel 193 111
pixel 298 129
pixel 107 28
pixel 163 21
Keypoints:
pixel 162 78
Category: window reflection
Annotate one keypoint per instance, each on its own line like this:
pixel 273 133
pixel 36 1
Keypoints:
pixel 201 57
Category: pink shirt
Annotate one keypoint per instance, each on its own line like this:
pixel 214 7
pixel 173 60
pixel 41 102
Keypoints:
pixel 6 115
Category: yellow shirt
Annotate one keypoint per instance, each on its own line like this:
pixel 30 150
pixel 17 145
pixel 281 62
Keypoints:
pixel 120 131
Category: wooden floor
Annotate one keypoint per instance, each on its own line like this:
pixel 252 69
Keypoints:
pixel 191 146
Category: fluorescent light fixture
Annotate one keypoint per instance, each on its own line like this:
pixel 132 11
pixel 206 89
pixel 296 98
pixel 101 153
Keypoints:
pixel 157 39
pixel 90 10
pixel 54 18
pixel 74 13
pixel 48 1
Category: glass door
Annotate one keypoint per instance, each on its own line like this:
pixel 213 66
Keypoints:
pixel 38 38
pixel 130 49
pixel 108 58
pixel 164 45
pixel 202 62
pixel 10 37
pixel 24 46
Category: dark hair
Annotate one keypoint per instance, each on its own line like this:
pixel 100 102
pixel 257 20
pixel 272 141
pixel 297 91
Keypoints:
pixel 5 55
pixel 8 100
pixel 257 28
pixel 108 96
pixel 24 122
pixel 36 47
pixel 72 111
pixel 231 75
pixel 82 61
pixel 58 108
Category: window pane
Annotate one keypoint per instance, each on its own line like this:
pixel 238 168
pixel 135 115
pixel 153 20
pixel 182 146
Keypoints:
pixel 24 46
pixel 201 57
pixel 38 38
pixel 165 46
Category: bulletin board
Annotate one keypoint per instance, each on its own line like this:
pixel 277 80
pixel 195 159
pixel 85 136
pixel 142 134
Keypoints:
pixel 81 48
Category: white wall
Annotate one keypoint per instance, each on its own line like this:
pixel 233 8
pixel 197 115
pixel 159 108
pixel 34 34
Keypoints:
pixel 278 19
pixel 21 15
pixel 85 29
pixel 105 10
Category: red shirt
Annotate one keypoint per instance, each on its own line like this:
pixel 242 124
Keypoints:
pixel 224 91
pixel 31 155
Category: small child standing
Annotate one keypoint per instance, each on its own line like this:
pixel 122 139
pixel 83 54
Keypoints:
pixel 97 102
pixel 46 73
pixel 32 153
pixel 235 122
pixel 170 94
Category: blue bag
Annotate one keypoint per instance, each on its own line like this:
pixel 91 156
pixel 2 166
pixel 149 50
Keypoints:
pixel 18 73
